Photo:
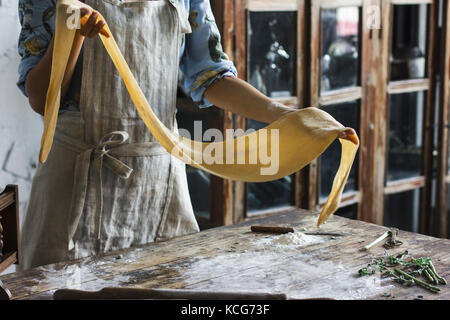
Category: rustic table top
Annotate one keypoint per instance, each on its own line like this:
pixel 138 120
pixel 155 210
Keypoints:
pixel 234 258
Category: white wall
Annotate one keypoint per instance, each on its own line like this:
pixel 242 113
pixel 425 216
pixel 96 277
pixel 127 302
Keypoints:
pixel 20 127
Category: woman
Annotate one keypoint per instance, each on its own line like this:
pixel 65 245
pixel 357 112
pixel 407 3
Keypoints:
pixel 107 183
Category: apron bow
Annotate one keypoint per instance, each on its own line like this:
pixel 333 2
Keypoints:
pixel 102 153
pixel 88 177
pixel 87 193
pixel 110 141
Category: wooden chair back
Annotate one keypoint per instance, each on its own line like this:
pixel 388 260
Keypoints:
pixel 9 232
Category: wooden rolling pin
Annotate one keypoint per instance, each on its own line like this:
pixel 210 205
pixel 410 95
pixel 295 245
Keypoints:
pixel 138 293
pixel 272 229
pixel 284 230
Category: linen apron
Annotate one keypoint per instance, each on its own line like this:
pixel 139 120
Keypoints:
pixel 108 184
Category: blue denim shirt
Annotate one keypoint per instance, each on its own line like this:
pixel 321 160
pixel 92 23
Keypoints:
pixel 202 60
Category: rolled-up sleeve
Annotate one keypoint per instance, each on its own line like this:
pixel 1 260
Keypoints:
pixel 203 61
pixel 37 21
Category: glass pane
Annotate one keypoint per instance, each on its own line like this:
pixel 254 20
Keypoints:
pixel 409 42
pixel 268 195
pixel 273 43
pixel 348 115
pixel 340 48
pixel 198 181
pixel 405 135
pixel 402 210
pixel 200 191
pixel 350 212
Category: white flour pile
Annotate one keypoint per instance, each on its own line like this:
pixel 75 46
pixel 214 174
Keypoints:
pixel 290 240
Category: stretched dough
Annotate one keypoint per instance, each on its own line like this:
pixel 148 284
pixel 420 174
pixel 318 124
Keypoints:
pixel 303 135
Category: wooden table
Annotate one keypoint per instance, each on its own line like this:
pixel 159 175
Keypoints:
pixel 234 258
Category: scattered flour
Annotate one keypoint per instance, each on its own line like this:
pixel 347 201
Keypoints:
pixel 293 239
pixel 297 275
pixel 73 276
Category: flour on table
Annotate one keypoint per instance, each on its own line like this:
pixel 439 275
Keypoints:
pixel 299 276
pixel 292 239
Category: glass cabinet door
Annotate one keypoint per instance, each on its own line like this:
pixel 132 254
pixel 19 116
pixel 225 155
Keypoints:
pixel 442 218
pixel 405 135
pixel 272 42
pixel 272 48
pixel 406 206
pixel 409 53
pixel 337 41
pixel 340 48
pixel 408 145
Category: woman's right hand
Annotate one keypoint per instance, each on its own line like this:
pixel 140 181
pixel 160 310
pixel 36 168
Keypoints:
pixel 91 28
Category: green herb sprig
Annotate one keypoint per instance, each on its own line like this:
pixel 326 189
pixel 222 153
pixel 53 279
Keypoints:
pixel 406 271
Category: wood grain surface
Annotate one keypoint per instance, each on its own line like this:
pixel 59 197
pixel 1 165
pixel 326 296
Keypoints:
pixel 235 259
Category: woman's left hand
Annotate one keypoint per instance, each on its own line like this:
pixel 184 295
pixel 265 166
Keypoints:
pixel 349 135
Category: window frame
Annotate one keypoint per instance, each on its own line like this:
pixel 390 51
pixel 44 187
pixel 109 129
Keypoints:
pixel 318 99
pixel 441 215
pixel 381 188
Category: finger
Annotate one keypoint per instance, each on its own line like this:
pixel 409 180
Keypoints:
pixel 349 135
pixel 343 135
pixel 84 16
pixel 346 133
pixel 353 138
pixel 84 11
pixel 90 24
pixel 104 32
pixel 95 31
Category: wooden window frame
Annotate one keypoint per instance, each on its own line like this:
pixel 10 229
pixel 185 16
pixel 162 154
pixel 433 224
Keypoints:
pixel 440 216
pixel 381 187
pixel 316 98
pixel 228 203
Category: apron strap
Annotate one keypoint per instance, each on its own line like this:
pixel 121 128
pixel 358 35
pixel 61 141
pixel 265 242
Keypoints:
pixel 107 151
pixel 185 26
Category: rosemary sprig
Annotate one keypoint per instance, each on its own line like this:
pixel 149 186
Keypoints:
pixel 398 259
pixel 417 281
pixel 428 275
pixel 406 271
pixel 433 269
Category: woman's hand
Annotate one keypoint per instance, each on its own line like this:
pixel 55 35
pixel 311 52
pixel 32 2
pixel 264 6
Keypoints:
pixel 349 135
pixel 91 28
